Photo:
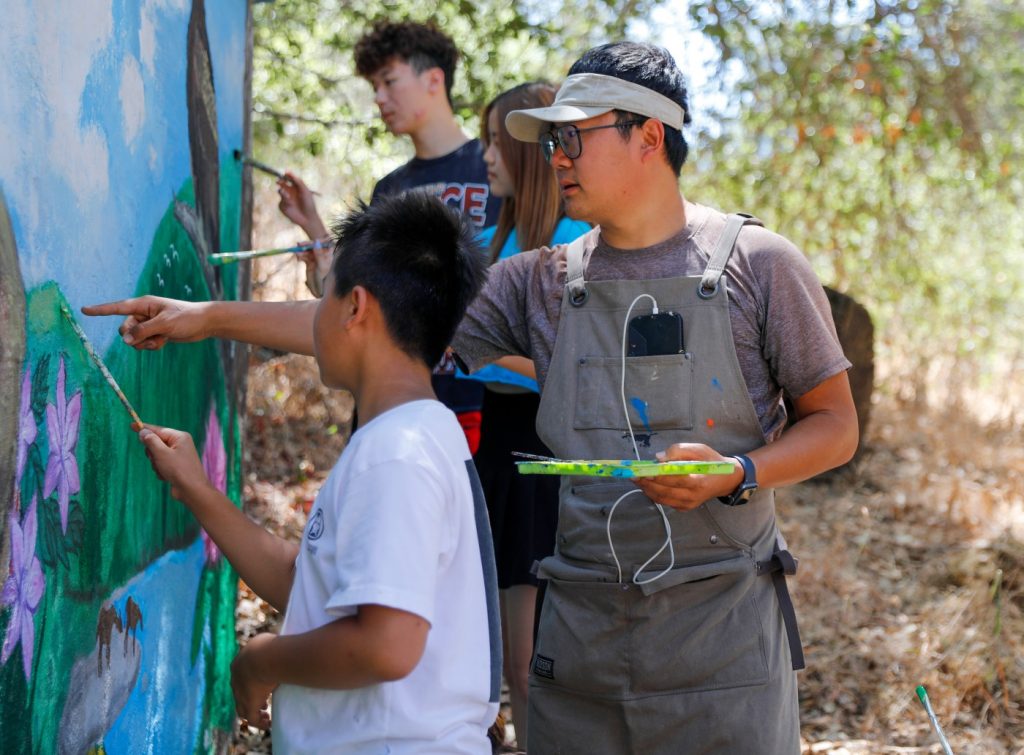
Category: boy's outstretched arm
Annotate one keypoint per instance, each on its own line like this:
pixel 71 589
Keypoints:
pixel 152 321
pixel 266 562
pixel 378 644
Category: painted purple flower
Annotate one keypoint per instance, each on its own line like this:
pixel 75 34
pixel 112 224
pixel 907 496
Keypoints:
pixel 61 466
pixel 215 464
pixel 23 589
pixel 27 430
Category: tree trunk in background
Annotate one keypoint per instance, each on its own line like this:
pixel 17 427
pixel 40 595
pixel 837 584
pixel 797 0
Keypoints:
pixel 857 336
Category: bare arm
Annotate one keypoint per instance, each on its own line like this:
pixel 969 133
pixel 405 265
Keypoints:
pixel 823 437
pixel 266 562
pixel 520 365
pixel 286 326
pixel 152 321
pixel 378 644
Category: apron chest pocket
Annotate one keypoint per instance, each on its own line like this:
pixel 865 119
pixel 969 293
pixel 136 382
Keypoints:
pixel 659 393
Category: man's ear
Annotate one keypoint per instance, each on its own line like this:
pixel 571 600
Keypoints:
pixel 652 138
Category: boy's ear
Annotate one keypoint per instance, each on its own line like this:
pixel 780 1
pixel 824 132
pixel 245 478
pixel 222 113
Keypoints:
pixel 360 301
pixel 435 80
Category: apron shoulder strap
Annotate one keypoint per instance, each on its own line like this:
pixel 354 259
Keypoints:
pixel 574 271
pixel 723 251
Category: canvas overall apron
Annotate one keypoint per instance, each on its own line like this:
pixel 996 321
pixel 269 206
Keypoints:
pixel 698 661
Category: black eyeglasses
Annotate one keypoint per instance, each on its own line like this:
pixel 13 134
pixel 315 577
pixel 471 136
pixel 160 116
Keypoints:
pixel 568 138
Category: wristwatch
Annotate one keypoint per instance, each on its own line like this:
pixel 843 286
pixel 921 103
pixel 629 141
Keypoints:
pixel 746 488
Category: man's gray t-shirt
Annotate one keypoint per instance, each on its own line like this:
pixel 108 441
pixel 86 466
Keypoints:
pixel 781 322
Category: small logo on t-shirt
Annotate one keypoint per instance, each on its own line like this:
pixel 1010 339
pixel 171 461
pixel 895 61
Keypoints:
pixel 543 666
pixel 316 525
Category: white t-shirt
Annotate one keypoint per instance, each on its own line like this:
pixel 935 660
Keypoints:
pixel 400 522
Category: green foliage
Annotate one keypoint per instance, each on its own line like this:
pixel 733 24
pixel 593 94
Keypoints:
pixel 308 100
pixel 882 139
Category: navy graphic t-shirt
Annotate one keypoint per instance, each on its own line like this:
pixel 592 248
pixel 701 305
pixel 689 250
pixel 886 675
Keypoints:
pixel 459 178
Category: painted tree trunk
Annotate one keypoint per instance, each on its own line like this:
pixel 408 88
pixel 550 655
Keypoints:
pixel 12 354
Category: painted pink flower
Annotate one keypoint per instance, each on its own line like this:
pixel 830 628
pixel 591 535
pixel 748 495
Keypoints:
pixel 62 428
pixel 215 464
pixel 27 430
pixel 23 589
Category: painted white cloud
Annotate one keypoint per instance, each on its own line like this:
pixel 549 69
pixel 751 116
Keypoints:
pixel 65 53
pixel 147 29
pixel 132 94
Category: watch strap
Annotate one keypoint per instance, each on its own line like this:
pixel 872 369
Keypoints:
pixel 747 486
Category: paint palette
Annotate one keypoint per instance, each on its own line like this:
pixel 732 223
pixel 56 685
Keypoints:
pixel 622 468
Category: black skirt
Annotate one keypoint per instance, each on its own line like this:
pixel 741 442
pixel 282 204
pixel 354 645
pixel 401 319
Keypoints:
pixel 523 508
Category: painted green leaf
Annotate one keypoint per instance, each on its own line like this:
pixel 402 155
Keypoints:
pixel 40 387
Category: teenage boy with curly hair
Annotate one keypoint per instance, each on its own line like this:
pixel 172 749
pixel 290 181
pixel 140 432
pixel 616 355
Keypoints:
pixel 411 67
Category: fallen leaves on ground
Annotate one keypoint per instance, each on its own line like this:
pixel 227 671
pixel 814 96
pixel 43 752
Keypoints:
pixel 911 568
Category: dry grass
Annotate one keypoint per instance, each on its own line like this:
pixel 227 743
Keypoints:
pixel 912 568
pixel 913 573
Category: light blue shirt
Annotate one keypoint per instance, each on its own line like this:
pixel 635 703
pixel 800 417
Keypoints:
pixel 566 231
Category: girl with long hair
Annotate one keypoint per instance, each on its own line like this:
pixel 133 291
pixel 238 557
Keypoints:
pixel 523 509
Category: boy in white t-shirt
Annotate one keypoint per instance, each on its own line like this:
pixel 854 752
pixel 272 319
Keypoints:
pixel 391 635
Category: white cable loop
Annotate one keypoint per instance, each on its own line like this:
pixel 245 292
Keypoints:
pixel 636 451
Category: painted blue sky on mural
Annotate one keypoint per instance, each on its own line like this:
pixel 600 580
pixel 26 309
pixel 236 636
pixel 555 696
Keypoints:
pixel 84 181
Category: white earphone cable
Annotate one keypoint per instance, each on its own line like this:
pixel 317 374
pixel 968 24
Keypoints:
pixel 636 452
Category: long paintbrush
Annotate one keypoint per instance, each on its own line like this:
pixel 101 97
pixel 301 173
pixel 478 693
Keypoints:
pixel 223 258
pixel 99 363
pixel 922 695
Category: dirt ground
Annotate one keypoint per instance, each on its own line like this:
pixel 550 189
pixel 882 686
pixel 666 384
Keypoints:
pixel 911 567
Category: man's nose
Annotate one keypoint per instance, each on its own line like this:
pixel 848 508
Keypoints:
pixel 558 158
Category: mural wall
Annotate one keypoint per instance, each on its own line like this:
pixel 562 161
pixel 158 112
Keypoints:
pixel 118 127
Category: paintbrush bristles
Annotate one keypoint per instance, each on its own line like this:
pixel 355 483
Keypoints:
pixel 246 160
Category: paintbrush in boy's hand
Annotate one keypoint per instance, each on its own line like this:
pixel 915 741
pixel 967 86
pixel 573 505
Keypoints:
pixel 99 363
pixel 246 160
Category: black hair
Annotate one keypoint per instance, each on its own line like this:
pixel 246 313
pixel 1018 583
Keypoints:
pixel 649 66
pixel 422 46
pixel 420 259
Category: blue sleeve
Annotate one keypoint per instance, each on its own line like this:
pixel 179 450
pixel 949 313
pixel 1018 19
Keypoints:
pixel 568 230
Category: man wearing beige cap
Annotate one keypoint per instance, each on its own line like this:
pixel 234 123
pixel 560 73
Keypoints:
pixel 670 331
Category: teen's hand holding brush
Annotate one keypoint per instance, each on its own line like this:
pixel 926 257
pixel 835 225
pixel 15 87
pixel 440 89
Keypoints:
pixel 299 206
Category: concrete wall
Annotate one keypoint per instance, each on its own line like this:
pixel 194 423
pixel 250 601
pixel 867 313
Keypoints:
pixel 118 123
